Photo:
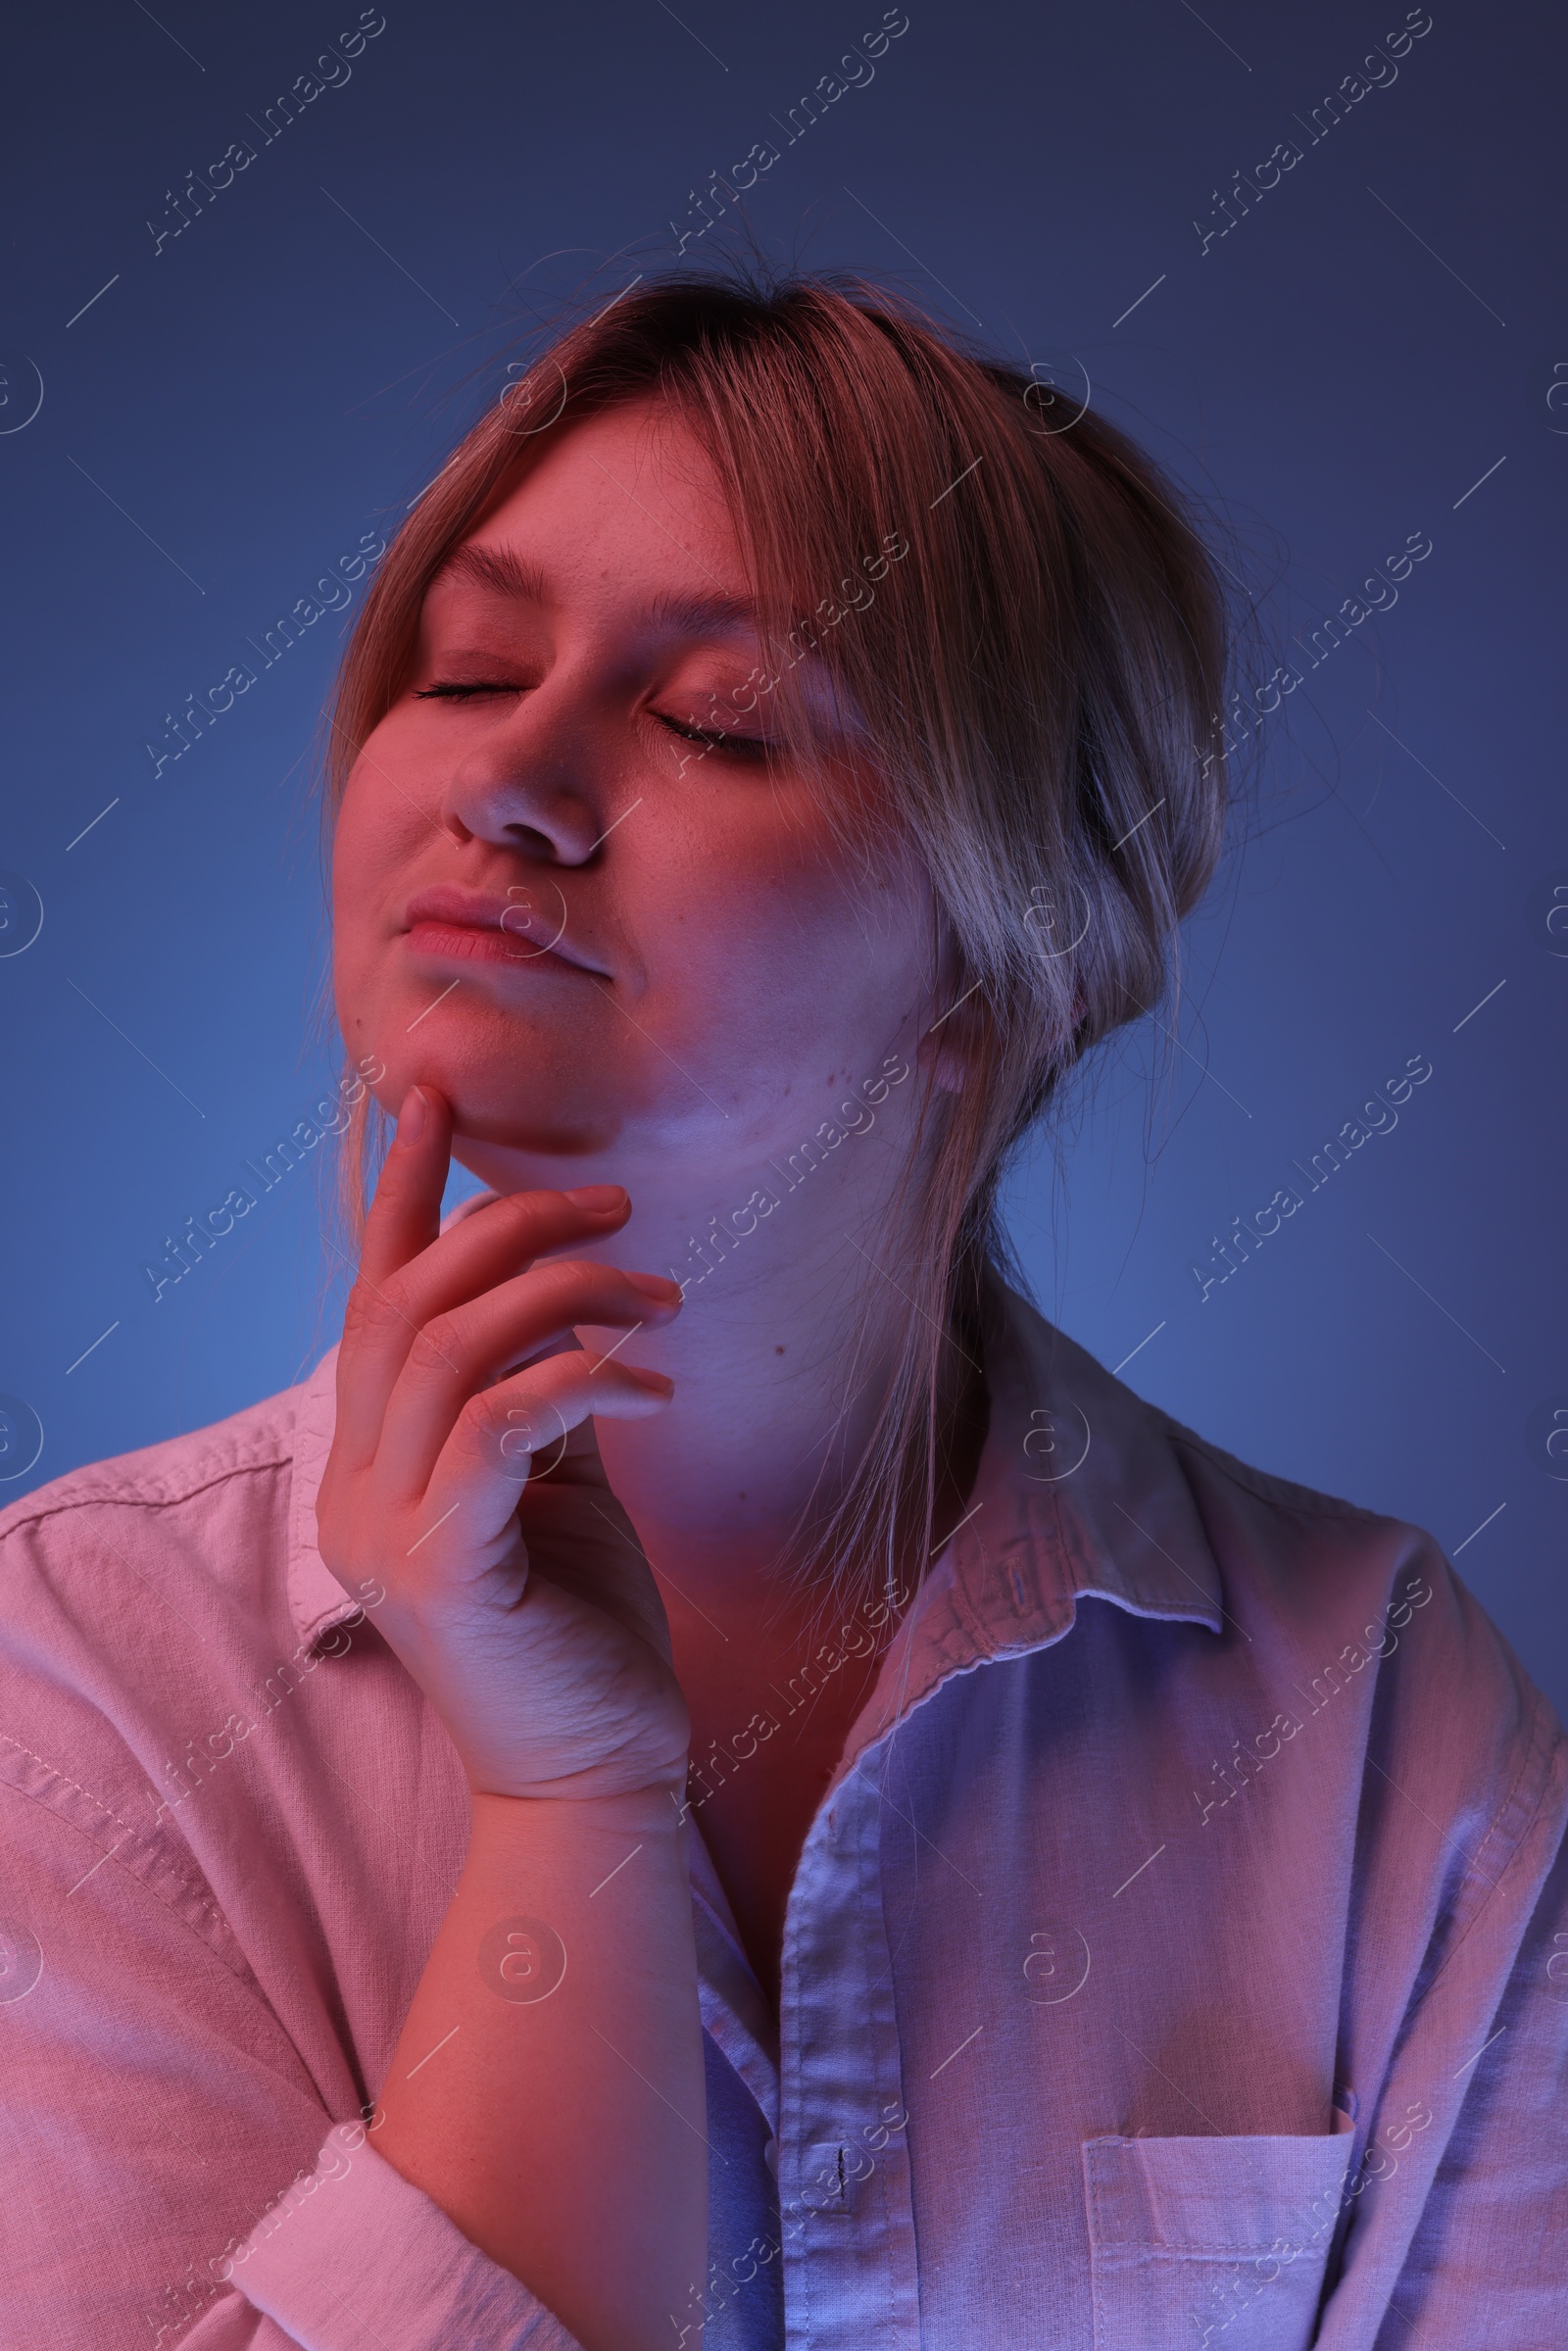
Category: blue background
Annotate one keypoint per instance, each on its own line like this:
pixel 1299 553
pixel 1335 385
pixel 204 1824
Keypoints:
pixel 1374 337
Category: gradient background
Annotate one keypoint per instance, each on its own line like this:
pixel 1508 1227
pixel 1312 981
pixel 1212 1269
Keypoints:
pixel 1378 335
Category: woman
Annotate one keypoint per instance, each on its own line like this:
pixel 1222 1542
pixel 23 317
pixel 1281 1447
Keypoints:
pixel 709 1768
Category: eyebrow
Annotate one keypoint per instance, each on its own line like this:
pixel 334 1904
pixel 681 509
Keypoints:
pixel 500 569
pixel 700 616
pixel 505 573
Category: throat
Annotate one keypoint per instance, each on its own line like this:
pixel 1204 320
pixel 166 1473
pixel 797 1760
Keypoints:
pixel 756 1791
pixel 775 1674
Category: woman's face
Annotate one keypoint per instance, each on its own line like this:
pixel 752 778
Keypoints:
pixel 602 934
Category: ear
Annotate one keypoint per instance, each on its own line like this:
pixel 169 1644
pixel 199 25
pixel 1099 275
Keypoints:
pixel 945 1052
pixel 944 1048
pixel 941 1054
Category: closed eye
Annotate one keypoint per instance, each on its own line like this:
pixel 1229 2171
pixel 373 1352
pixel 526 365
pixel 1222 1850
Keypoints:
pixel 711 738
pixel 717 738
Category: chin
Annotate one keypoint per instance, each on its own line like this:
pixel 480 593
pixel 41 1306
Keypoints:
pixel 525 1106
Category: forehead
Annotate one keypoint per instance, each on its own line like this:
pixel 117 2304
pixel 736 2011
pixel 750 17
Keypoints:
pixel 622 507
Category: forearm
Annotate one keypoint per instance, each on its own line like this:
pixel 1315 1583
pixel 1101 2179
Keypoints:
pixel 565 2134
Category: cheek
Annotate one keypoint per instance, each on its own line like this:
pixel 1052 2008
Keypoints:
pixel 370 845
pixel 354 886
pixel 775 964
pixel 375 822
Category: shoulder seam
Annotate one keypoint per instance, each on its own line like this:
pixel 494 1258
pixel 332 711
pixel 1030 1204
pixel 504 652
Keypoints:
pixel 216 1932
pixel 130 1497
pixel 1308 1501
pixel 1541 1745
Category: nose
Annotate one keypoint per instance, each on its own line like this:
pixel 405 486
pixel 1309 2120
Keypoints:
pixel 530 785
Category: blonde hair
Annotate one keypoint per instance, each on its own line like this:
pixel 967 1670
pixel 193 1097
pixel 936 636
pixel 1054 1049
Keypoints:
pixel 1037 677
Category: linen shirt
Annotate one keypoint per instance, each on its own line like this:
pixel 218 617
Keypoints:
pixel 1179 1955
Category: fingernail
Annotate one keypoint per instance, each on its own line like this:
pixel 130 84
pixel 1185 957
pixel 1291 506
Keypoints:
pixel 414 1116
pixel 653 1381
pixel 600 1199
pixel 655 1286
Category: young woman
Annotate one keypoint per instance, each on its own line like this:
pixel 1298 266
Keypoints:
pixel 708 1769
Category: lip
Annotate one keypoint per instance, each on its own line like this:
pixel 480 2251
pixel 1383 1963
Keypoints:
pixel 466 926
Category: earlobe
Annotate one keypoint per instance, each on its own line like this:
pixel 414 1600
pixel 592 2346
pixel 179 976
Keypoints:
pixel 939 1055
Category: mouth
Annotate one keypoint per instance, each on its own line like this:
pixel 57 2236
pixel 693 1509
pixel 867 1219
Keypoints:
pixel 526 930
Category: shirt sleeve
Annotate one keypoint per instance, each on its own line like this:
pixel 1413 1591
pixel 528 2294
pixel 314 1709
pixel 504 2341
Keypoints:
pixel 169 2170
pixel 356 2253
pixel 1492 2229
pixel 1453 2215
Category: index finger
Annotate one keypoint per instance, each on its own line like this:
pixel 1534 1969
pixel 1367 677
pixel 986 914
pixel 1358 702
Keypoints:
pixel 409 1273
pixel 405 1215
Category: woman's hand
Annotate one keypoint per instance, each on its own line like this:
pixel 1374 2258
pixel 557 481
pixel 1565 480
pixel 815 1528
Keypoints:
pixel 517 1594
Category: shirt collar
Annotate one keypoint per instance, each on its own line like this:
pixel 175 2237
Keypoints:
pixel 1080 1493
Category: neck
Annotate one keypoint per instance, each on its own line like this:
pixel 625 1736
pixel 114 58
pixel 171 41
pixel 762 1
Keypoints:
pixel 795 1314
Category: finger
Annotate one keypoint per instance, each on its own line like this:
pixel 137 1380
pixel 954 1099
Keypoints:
pixel 458 1355
pixel 384 1317
pixel 404 1218
pixel 405 1215
pixel 466 1517
pixel 501 1238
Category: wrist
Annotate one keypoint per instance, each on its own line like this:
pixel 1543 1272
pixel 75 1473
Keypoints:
pixel 656 1811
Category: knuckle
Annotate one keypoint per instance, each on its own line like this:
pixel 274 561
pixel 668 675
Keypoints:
pixel 531 1216
pixel 529 1208
pixel 374 1308
pixel 396 1295
pixel 483 1424
pixel 477 1417
pixel 568 1275
pixel 509 1430
pixel 573 1275
pixel 504 1438
pixel 433 1353
pixel 355 1311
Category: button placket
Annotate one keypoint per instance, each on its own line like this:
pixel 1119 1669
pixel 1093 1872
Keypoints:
pixel 844 2178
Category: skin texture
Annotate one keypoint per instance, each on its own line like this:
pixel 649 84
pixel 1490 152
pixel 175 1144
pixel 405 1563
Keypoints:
pixel 671 975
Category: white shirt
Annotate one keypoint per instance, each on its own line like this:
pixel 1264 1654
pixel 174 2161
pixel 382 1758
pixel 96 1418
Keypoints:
pixel 1179 1956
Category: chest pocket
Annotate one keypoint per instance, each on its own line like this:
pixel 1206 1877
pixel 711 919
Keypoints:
pixel 1211 2244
